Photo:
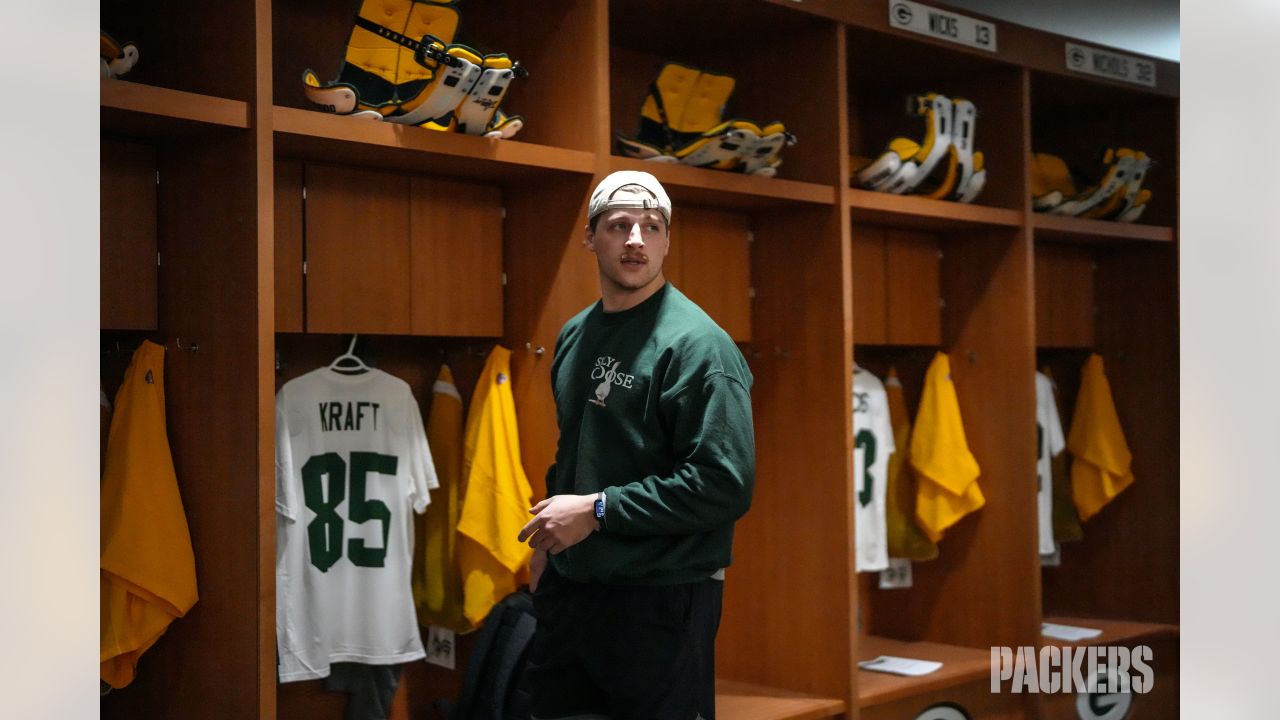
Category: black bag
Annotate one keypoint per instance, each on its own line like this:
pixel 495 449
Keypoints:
pixel 494 686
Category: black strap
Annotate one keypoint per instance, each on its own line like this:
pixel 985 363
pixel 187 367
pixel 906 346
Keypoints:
pixel 662 115
pixel 422 50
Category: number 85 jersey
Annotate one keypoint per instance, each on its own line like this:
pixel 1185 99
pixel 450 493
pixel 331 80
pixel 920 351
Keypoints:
pixel 352 462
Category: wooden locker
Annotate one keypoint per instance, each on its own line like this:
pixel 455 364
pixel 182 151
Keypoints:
pixel 713 265
pixel 288 246
pixel 911 288
pixel 127 238
pixel 870 314
pixel 358 251
pixel 455 237
pixel 1064 296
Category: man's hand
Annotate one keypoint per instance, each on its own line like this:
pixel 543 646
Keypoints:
pixel 560 522
pixel 537 563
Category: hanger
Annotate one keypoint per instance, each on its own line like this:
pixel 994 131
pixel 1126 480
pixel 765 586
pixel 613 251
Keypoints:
pixel 354 365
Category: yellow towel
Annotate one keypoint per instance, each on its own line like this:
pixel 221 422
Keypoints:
pixel 498 496
pixel 437 583
pixel 946 470
pixel 1100 467
pixel 148 572
pixel 905 539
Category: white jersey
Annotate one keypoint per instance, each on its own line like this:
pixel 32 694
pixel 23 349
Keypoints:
pixel 873 444
pixel 352 462
pixel 1049 442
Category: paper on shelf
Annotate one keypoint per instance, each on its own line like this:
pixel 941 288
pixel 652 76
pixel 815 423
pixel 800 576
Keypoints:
pixel 1070 633
pixel 900 666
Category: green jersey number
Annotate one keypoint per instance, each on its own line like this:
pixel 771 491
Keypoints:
pixel 865 440
pixel 324 533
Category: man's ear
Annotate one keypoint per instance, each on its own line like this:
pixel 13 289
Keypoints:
pixel 589 238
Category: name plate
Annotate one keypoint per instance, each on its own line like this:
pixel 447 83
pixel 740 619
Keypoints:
pixel 1113 65
pixel 942 24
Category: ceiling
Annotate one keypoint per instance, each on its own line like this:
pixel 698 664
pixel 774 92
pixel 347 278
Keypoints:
pixel 1149 27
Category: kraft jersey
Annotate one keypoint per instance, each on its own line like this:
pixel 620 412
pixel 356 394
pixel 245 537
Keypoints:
pixel 352 464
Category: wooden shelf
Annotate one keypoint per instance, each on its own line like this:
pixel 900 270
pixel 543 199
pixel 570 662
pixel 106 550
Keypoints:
pixel 741 701
pixel 700 186
pixel 921 213
pixel 1073 229
pixel 311 135
pixel 1114 632
pixel 136 109
pixel 960 665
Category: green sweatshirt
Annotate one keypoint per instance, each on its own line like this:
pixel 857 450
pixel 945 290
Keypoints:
pixel 654 408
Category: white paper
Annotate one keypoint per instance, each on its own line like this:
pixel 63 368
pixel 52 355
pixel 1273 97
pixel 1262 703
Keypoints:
pixel 900 666
pixel 1070 633
pixel 441 647
pixel 897 575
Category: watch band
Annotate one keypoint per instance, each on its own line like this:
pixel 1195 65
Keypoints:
pixel 599 510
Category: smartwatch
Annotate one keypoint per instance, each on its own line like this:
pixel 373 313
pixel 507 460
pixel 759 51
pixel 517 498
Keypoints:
pixel 600 509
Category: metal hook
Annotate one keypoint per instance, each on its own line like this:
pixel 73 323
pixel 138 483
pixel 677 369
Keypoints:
pixel 193 347
pixel 538 351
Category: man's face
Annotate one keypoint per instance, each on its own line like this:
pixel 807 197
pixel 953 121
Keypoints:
pixel 630 245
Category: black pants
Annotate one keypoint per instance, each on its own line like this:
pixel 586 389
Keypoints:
pixel 625 652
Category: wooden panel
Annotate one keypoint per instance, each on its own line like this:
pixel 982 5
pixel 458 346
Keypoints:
pixel 921 213
pixel 193 47
pixel 540 35
pixel 976 698
pixel 311 135
pixel 455 232
pixel 802 332
pixel 1114 632
pixel 1044 278
pixel 552 277
pixel 209 293
pixel 1160 702
pixel 645 35
pixel 740 701
pixel 1127 564
pixel 127 236
pixel 1064 295
pixel 960 665
pixel 715 251
pixel 883 77
pixel 1063 228
pixel 357 251
pixel 911 288
pixel 699 186
pixel 184 109
pixel 983 589
pixel 288 246
pixel 790 542
pixel 870 309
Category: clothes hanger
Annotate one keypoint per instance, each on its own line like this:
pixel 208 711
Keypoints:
pixel 354 364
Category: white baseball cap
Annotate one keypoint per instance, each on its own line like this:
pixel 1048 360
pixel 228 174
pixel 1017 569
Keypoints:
pixel 602 197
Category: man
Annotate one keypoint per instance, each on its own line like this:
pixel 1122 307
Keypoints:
pixel 655 463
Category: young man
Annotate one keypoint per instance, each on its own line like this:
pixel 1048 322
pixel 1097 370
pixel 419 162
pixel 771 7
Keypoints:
pixel 655 463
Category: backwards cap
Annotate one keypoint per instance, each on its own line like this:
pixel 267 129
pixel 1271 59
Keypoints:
pixel 602 197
